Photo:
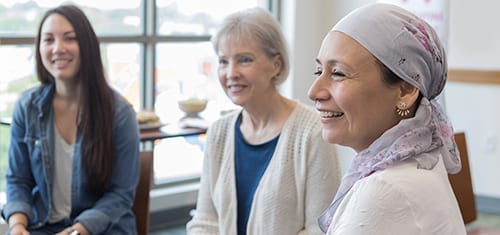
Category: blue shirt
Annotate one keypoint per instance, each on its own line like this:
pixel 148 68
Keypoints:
pixel 250 164
pixel 31 158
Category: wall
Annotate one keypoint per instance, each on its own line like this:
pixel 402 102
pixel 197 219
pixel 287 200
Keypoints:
pixel 473 107
pixel 305 23
pixel 472 44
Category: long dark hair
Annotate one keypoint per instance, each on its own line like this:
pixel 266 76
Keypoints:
pixel 96 103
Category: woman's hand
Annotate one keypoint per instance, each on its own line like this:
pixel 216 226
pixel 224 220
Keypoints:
pixel 17 229
pixel 18 223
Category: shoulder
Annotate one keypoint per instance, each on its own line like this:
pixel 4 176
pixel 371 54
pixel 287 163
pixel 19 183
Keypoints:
pixel 32 99
pixel 32 94
pixel 304 112
pixel 222 124
pixel 124 116
pixel 303 123
pixel 406 185
pixel 121 103
pixel 402 180
pixel 409 178
pixel 304 118
pixel 372 206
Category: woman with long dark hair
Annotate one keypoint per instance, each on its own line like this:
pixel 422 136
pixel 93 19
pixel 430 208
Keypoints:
pixel 74 152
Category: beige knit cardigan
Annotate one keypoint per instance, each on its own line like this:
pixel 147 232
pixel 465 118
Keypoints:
pixel 298 184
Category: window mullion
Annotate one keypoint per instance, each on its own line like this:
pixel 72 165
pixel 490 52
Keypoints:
pixel 149 58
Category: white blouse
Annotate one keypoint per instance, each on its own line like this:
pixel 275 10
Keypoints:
pixel 400 200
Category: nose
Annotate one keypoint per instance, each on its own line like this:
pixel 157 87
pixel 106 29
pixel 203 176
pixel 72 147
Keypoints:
pixel 232 70
pixel 318 90
pixel 58 47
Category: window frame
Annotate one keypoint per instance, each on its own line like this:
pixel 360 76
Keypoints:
pixel 148 41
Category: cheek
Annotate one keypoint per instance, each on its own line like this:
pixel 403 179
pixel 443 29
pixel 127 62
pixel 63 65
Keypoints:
pixel 222 77
pixel 45 56
pixel 359 105
pixel 44 52
pixel 77 50
pixel 346 97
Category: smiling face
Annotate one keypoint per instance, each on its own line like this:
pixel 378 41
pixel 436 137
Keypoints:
pixel 355 103
pixel 246 72
pixel 59 48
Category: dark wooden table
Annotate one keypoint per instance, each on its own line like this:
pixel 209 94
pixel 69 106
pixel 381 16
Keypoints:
pixel 170 131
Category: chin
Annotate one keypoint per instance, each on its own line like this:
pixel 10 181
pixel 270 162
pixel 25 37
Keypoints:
pixel 64 77
pixel 236 100
pixel 329 137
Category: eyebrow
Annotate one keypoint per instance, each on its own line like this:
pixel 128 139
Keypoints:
pixel 65 33
pixel 329 62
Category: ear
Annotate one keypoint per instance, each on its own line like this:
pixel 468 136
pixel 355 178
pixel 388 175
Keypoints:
pixel 408 93
pixel 277 63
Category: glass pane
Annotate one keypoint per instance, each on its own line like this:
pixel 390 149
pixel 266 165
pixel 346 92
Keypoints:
pixel 183 70
pixel 17 75
pixel 195 17
pixel 178 158
pixel 4 141
pixel 122 63
pixel 109 17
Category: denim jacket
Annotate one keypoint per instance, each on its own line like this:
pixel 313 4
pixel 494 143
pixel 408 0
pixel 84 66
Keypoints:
pixel 31 163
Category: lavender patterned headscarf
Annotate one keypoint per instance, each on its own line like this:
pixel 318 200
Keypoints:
pixel 411 49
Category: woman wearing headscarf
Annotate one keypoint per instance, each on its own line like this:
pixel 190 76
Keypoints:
pixel 380 71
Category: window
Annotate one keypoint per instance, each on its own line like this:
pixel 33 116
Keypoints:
pixel 153 52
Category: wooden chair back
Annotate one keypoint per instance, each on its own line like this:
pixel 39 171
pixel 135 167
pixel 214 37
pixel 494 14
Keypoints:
pixel 141 201
pixel 462 183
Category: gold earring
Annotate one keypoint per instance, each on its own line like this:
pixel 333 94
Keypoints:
pixel 402 110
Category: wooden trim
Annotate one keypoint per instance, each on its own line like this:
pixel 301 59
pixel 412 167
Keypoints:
pixel 474 76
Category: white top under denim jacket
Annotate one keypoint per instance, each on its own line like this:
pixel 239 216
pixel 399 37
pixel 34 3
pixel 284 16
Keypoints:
pixel 29 177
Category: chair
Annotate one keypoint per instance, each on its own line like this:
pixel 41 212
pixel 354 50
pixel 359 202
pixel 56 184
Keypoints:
pixel 462 183
pixel 141 201
pixel 462 187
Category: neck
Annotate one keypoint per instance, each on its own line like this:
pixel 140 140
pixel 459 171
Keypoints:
pixel 67 91
pixel 271 113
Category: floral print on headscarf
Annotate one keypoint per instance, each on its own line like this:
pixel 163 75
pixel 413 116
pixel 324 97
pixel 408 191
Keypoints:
pixel 411 49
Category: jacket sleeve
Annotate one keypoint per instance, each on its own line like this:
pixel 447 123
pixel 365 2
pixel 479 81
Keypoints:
pixel 118 200
pixel 20 180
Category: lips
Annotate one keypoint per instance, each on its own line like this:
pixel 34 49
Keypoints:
pixel 236 88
